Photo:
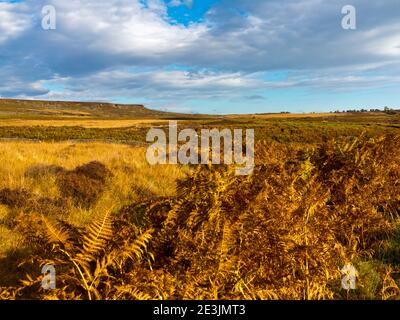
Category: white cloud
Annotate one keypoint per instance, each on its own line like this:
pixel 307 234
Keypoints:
pixel 178 3
pixel 384 40
pixel 124 27
pixel 124 48
pixel 161 84
pixel 12 22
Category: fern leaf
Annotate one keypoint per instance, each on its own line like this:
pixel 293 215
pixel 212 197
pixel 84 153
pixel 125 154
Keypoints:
pixel 99 233
pixel 135 250
pixel 55 234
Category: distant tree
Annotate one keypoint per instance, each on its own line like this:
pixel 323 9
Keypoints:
pixel 387 110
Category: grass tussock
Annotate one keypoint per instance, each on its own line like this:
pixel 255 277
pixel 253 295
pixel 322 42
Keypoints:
pixel 85 184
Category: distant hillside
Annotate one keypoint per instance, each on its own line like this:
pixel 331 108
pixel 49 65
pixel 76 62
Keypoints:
pixel 65 110
pixel 10 108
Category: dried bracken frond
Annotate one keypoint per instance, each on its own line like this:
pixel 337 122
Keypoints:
pixel 56 234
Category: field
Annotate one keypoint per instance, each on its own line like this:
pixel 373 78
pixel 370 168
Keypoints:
pixel 76 192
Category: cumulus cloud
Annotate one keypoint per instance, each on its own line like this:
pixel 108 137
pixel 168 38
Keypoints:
pixel 13 22
pixel 125 48
pixel 125 27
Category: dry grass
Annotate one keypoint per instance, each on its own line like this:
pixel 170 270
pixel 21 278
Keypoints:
pixel 128 165
pixel 84 123
pixel 290 115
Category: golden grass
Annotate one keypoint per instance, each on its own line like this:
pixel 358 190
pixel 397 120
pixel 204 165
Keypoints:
pixel 9 240
pixel 85 123
pixel 133 177
pixel 61 111
pixel 291 115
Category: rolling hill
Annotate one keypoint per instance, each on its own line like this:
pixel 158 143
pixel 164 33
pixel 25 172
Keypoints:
pixel 32 109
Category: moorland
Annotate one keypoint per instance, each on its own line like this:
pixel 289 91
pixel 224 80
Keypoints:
pixel 77 192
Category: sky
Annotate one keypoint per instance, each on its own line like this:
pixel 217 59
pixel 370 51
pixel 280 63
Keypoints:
pixel 204 56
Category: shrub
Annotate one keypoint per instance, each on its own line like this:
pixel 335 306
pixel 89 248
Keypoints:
pixel 22 201
pixel 83 191
pixel 85 184
pixel 14 198
pixel 94 170
pixel 40 170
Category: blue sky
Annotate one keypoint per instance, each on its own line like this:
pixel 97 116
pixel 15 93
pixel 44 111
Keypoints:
pixel 204 56
pixel 189 11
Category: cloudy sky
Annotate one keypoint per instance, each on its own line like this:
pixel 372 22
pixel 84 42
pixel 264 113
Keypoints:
pixel 204 56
